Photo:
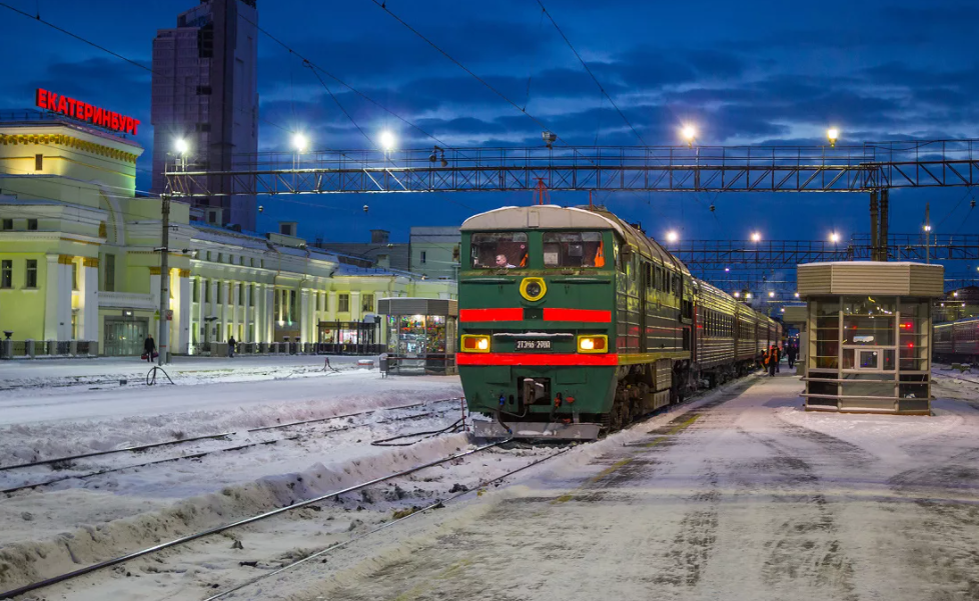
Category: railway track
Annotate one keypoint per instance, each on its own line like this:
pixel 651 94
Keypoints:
pixel 332 495
pixel 959 378
pixel 10 594
pixel 220 436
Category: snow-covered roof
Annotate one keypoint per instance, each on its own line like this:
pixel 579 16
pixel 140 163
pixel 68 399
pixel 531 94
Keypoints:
pixel 539 217
pixel 882 263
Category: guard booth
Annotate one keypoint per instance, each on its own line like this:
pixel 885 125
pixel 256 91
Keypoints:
pixel 869 335
pixel 421 334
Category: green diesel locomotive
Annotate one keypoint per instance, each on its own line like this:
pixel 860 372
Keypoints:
pixel 573 322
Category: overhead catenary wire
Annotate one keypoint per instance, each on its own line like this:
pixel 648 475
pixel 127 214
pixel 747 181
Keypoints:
pixel 114 53
pixel 591 74
pixel 307 61
pixel 456 62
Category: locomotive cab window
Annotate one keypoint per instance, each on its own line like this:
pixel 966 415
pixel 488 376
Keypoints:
pixel 504 250
pixel 573 249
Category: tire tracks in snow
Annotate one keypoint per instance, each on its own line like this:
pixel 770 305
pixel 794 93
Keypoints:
pixel 806 546
pixel 945 547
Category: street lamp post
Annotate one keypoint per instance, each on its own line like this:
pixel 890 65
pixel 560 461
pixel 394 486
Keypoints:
pixel 182 147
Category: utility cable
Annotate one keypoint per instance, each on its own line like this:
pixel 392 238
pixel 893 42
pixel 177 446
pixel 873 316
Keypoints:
pixel 452 59
pixel 173 78
pixel 306 63
pixel 316 67
pixel 968 192
pixel 592 75
pixel 530 76
pixel 456 426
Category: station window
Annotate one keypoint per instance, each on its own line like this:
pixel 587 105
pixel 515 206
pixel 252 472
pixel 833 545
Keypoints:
pixel 573 249
pixel 32 224
pixel 503 250
pixel 6 274
pixel 343 303
pixel 30 277
pixel 367 304
pixel 109 283
pixel 8 224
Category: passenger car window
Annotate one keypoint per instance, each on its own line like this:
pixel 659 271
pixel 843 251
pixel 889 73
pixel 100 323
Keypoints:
pixel 573 249
pixel 502 250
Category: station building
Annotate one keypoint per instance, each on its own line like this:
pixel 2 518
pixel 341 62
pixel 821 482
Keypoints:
pixel 79 260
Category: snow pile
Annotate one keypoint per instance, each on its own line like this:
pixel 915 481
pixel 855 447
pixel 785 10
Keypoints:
pixel 21 563
pixel 104 420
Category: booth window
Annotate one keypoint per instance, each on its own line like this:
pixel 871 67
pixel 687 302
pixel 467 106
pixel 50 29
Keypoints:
pixel 573 249
pixel 503 250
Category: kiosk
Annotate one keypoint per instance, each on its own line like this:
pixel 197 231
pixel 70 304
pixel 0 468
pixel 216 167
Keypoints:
pixel 868 335
pixel 421 334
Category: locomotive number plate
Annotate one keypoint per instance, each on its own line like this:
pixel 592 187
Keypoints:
pixel 533 345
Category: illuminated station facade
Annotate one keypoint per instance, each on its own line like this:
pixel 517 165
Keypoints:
pixel 80 263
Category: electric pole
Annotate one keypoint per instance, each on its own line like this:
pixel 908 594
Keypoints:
pixel 164 278
pixel 927 234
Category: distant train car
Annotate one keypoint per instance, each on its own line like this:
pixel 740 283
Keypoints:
pixel 572 321
pixel 957 341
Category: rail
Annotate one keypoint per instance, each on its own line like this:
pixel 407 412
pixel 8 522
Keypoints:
pixel 236 524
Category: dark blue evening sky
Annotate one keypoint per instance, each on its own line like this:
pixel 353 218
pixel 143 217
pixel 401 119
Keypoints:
pixel 745 72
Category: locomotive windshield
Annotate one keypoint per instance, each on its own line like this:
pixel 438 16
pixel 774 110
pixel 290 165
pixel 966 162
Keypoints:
pixel 573 249
pixel 502 250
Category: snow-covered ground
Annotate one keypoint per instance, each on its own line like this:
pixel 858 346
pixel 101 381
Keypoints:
pixel 134 507
pixel 754 499
pixel 739 495
pixel 52 376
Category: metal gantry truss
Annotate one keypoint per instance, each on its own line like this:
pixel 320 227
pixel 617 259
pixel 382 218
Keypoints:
pixel 868 167
pixel 770 266
pixel 718 255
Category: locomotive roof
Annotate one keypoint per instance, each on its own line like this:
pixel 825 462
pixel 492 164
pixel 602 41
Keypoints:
pixel 556 217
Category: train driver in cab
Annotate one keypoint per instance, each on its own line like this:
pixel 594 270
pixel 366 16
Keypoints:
pixel 501 261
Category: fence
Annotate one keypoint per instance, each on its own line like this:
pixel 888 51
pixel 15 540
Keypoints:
pixel 432 364
pixel 41 349
pixel 220 349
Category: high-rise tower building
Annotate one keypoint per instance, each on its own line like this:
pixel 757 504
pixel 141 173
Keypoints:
pixel 205 92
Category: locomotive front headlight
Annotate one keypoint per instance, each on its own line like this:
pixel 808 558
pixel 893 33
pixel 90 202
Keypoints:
pixel 593 344
pixel 475 344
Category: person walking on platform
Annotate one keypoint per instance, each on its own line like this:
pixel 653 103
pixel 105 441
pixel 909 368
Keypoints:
pixel 232 343
pixel 791 352
pixel 778 358
pixel 771 360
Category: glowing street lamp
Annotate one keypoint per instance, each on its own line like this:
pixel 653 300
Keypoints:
pixel 387 140
pixel 689 133
pixel 755 237
pixel 797 295
pixel 834 237
pixel 747 295
pixel 832 133
pixel 771 295
pixel 300 142
pixel 737 294
pixel 672 236
pixel 181 146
